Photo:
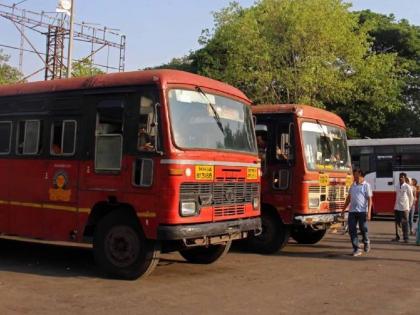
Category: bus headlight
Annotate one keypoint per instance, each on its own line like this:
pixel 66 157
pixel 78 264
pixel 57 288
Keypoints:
pixel 256 203
pixel 313 202
pixel 188 208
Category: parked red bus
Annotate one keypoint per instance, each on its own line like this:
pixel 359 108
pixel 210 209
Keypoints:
pixel 306 173
pixel 135 163
pixel 383 160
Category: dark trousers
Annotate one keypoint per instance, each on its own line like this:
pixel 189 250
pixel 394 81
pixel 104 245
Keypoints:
pixel 401 223
pixel 361 218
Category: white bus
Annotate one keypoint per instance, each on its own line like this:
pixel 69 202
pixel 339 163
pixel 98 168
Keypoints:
pixel 383 160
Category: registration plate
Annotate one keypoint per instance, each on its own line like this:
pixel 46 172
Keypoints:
pixel 251 173
pixel 204 172
pixel 324 180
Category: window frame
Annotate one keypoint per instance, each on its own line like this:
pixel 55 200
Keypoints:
pixel 62 137
pixel 10 136
pixel 38 152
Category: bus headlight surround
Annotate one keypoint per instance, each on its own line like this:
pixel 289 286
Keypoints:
pixel 256 203
pixel 188 208
pixel 313 202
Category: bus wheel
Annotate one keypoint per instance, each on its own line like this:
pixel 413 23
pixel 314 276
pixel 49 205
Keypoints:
pixel 205 254
pixel 121 249
pixel 273 238
pixel 307 235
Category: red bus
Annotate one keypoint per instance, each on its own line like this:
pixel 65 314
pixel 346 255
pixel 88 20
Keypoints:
pixel 383 160
pixel 306 173
pixel 135 163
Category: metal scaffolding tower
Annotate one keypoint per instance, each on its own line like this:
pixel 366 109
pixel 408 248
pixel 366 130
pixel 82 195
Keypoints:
pixel 55 26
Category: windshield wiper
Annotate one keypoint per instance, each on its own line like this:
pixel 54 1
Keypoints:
pixel 216 114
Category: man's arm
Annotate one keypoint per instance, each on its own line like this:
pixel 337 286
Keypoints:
pixel 369 214
pixel 410 196
pixel 346 204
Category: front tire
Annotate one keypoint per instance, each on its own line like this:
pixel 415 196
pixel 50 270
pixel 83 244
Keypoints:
pixel 307 235
pixel 274 236
pixel 205 255
pixel 121 249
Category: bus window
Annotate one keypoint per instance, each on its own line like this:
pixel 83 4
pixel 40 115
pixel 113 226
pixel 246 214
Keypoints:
pixel 364 163
pixel 147 129
pixel 262 143
pixel 109 139
pixel 5 136
pixel 63 137
pixel 384 167
pixel 284 147
pixel 28 138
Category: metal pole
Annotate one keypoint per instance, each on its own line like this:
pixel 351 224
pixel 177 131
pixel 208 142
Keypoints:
pixel 70 51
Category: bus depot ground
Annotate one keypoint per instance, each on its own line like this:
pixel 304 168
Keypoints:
pixel 316 279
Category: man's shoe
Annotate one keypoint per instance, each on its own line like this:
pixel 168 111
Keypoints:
pixel 357 253
pixel 395 240
pixel 366 248
pixel 406 241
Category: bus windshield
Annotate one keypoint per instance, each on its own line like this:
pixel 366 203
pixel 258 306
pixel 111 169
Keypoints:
pixel 325 147
pixel 206 121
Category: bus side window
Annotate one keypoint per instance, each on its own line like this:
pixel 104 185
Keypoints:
pixel 147 128
pixel 109 138
pixel 5 137
pixel 63 138
pixel 29 137
pixel 285 141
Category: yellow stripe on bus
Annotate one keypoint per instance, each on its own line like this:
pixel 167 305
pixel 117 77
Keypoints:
pixel 45 206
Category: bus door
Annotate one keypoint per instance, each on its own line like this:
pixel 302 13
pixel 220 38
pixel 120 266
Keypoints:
pixel 384 186
pixel 283 161
pixel 62 178
pixel 6 127
pixel 144 146
pixel 275 140
pixel 103 174
pixel 27 176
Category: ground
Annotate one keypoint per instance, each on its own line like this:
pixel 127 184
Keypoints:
pixel 317 279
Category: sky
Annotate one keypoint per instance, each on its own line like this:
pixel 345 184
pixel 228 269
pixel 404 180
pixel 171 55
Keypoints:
pixel 157 30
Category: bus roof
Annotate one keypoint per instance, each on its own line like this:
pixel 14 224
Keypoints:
pixel 120 79
pixel 306 112
pixel 383 142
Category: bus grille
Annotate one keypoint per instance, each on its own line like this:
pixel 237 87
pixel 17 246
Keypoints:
pixel 335 195
pixel 227 198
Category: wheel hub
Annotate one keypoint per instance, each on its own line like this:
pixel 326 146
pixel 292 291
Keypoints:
pixel 122 246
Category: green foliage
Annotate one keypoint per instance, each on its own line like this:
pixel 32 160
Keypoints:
pixel 185 63
pixel 85 68
pixel 403 39
pixel 304 51
pixel 8 74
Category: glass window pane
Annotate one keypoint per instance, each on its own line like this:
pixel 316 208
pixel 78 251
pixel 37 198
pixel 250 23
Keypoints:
pixel 69 137
pixel 57 131
pixel 108 152
pixel 29 137
pixel 5 137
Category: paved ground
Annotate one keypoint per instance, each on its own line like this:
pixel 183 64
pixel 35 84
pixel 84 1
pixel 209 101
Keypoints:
pixel 318 279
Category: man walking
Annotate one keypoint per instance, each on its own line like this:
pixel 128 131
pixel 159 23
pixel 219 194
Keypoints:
pixel 360 200
pixel 403 202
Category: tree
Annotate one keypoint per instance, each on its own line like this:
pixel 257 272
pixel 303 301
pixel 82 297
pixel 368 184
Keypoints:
pixel 8 74
pixel 185 63
pixel 304 51
pixel 85 68
pixel 389 35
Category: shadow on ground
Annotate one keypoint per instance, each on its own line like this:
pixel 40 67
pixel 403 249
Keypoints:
pixel 46 260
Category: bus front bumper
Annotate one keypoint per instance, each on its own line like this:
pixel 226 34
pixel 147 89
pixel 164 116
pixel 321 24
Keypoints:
pixel 316 219
pixel 210 233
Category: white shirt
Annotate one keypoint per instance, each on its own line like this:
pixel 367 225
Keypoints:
pixel 404 198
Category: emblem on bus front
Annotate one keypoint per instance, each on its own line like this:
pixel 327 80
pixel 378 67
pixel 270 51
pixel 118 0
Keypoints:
pixel 229 196
pixel 59 192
